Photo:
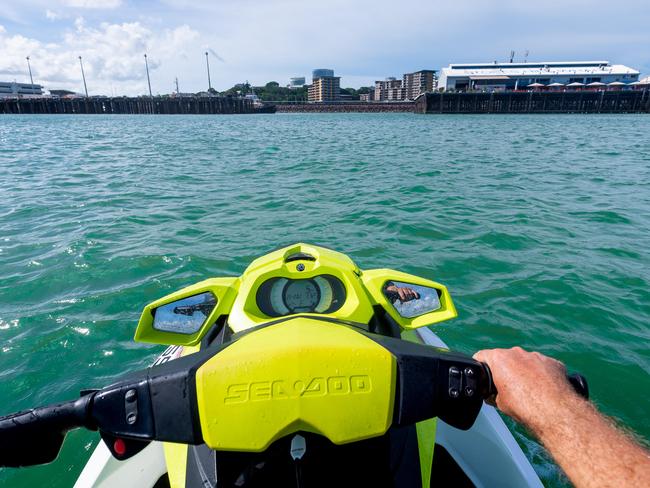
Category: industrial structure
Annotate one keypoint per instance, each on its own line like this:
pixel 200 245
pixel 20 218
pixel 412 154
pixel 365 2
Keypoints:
pixel 411 86
pixel 325 87
pixel 16 90
pixel 524 76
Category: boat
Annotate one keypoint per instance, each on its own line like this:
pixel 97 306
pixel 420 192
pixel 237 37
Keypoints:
pixel 259 106
pixel 304 371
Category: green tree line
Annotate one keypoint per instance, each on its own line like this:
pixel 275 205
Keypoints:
pixel 273 92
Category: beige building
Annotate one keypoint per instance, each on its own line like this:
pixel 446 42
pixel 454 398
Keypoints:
pixel 390 89
pixel 325 86
pixel 408 88
pixel 419 82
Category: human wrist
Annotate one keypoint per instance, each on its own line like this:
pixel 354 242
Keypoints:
pixel 553 410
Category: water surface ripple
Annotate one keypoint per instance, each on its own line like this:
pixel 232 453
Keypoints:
pixel 538 224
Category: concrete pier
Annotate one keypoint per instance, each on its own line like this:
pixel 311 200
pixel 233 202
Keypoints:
pixel 126 105
pixel 344 107
pixel 536 102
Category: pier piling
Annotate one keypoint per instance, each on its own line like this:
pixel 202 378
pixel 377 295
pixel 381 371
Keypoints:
pixel 619 101
pixel 127 105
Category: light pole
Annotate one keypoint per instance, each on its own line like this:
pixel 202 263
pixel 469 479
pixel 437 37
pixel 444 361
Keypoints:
pixel 207 63
pixel 83 76
pixel 30 70
pixel 146 65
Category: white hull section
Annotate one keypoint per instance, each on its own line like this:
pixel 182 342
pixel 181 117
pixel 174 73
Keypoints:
pixel 104 471
pixel 487 453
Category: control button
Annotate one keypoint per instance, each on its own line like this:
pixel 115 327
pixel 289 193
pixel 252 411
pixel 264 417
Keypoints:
pixel 119 446
pixel 131 406
pixel 469 372
pixel 469 391
pixel 455 382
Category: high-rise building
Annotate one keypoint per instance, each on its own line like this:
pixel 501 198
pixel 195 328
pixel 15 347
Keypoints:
pixel 418 82
pixel 325 86
pixel 390 89
pixel 408 88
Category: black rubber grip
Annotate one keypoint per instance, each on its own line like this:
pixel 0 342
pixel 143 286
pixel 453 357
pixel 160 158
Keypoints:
pixel 578 382
pixel 35 436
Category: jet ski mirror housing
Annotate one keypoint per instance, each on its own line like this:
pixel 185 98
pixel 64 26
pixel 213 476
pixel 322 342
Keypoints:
pixel 183 317
pixel 410 300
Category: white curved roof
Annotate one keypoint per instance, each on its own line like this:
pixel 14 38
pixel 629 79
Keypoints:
pixel 544 68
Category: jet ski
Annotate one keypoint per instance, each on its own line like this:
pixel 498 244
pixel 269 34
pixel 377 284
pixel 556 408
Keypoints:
pixel 304 371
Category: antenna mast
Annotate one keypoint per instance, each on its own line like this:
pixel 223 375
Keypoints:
pixel 207 63
pixel 29 66
pixel 146 64
pixel 83 75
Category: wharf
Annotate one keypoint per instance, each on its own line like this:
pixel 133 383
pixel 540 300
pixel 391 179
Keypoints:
pixel 127 105
pixel 344 107
pixel 535 102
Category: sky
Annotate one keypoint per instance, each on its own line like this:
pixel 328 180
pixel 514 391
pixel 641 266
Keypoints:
pixel 267 40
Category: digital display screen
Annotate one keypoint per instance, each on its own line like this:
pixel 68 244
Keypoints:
pixel 277 297
pixel 301 296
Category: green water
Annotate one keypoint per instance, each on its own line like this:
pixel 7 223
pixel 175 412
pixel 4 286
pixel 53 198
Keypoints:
pixel 539 225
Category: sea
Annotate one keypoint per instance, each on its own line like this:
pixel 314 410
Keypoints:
pixel 538 224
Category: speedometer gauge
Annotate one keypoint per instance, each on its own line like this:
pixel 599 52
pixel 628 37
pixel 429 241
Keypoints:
pixel 301 296
pixel 277 297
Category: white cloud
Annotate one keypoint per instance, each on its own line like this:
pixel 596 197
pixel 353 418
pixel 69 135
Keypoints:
pixel 92 3
pixel 112 56
pixel 52 15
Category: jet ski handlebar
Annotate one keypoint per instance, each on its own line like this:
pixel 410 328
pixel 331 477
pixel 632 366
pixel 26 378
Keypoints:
pixel 35 436
pixel 160 403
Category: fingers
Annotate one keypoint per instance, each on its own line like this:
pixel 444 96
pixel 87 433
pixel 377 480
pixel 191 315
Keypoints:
pixel 407 294
pixel 488 355
pixel 402 294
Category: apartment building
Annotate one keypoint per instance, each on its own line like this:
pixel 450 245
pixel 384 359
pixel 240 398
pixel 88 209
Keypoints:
pixel 408 88
pixel 325 86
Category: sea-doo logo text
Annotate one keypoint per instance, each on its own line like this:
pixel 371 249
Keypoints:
pixel 310 387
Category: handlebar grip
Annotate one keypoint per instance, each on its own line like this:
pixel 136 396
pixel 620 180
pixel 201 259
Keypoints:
pixel 577 381
pixel 579 384
pixel 35 436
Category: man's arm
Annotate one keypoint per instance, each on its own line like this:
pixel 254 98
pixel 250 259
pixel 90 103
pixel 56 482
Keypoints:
pixel 592 451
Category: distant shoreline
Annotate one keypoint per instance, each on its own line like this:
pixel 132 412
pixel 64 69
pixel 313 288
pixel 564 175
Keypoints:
pixel 610 101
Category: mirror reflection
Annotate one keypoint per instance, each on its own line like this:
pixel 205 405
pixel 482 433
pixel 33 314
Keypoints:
pixel 184 316
pixel 411 300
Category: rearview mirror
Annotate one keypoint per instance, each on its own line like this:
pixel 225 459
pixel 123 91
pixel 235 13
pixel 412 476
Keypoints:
pixel 184 316
pixel 411 300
